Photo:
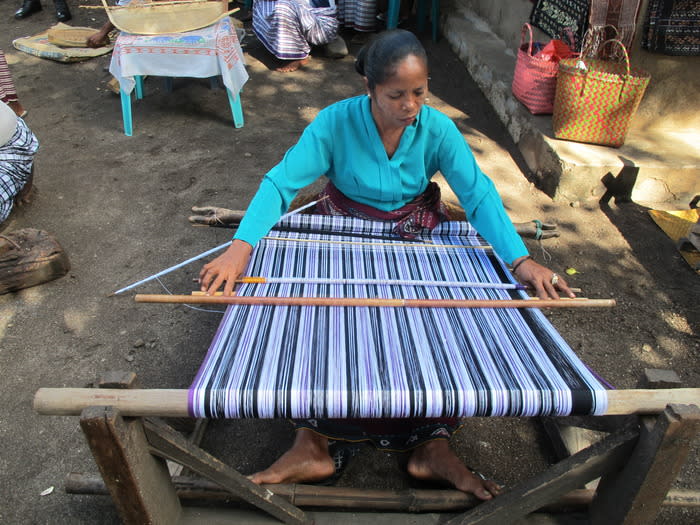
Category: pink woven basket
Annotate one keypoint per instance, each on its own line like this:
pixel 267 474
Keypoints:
pixel 534 79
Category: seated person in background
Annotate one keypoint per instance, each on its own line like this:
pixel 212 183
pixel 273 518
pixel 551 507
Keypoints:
pixel 8 93
pixel 17 148
pixel 288 28
pixel 380 151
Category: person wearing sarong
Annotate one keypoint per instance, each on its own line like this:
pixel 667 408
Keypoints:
pixel 379 152
pixel 288 28
pixel 360 15
pixel 8 92
pixel 17 148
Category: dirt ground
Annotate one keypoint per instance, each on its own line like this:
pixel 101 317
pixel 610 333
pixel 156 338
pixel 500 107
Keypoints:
pixel 119 207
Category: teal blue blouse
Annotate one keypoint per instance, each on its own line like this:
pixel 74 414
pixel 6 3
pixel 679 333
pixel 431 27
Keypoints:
pixel 343 143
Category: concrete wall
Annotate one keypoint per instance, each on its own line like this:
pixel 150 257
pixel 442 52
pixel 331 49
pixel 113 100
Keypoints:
pixel 672 100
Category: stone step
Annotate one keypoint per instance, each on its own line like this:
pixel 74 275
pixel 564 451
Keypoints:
pixel 655 166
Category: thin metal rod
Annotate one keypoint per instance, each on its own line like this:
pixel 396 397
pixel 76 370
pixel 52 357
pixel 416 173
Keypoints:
pixel 373 302
pixel 200 256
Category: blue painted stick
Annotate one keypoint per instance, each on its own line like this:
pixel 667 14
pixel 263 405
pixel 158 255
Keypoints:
pixel 200 256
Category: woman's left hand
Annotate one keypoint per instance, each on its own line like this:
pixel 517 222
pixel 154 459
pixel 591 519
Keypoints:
pixel 543 281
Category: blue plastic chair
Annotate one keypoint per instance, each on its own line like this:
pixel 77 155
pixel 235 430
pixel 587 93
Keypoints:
pixel 393 16
pixel 234 102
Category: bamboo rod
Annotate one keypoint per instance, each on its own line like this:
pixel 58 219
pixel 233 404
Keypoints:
pixel 174 402
pixel 384 282
pixel 361 282
pixel 393 244
pixel 376 302
pixel 409 500
pixel 135 5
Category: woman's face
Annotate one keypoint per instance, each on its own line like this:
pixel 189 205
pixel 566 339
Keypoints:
pixel 397 101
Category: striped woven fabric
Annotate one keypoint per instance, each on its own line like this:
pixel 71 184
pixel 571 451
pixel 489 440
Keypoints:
pixel 369 362
pixel 288 28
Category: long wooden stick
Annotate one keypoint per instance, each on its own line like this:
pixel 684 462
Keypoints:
pixel 373 302
pixel 407 500
pixel 174 402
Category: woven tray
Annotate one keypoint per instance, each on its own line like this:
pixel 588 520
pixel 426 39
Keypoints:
pixel 157 18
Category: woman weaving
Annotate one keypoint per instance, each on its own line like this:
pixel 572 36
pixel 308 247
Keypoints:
pixel 379 152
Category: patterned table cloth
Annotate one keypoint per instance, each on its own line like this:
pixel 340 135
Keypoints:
pixel 208 52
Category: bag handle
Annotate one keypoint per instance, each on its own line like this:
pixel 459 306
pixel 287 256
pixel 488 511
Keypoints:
pixel 624 52
pixel 627 62
pixel 522 37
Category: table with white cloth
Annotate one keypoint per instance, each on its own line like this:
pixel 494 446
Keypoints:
pixel 204 53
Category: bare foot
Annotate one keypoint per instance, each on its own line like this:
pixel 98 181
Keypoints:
pixel 436 461
pixel 307 460
pixel 287 66
pixel 24 196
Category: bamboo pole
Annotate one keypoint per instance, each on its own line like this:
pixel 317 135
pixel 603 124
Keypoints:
pixel 370 282
pixel 135 5
pixel 415 244
pixel 376 302
pixel 174 402
pixel 409 500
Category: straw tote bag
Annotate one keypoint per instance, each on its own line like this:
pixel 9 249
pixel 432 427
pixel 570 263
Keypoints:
pixel 596 99
pixel 534 78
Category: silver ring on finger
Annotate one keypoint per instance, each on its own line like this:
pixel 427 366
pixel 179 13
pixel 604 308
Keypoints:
pixel 555 279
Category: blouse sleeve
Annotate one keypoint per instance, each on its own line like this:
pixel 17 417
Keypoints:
pixel 478 196
pixel 303 163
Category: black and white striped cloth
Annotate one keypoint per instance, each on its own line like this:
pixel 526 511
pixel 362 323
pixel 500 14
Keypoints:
pixel 16 161
pixel 369 362
pixel 288 28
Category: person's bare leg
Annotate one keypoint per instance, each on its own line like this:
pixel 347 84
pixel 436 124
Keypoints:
pixel 17 108
pixel 287 66
pixel 308 460
pixel 436 461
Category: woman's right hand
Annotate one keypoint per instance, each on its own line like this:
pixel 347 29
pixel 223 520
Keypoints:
pixel 226 268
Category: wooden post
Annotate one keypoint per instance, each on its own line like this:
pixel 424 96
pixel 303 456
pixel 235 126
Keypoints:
pixel 552 484
pixel 138 482
pixel 169 444
pixel 634 494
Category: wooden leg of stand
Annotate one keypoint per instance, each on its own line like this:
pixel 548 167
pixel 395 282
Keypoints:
pixel 169 444
pixel 561 478
pixel 138 482
pixel 635 493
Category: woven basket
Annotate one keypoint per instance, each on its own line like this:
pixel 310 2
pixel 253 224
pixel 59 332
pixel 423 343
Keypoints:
pixel 596 99
pixel 534 79
pixel 158 18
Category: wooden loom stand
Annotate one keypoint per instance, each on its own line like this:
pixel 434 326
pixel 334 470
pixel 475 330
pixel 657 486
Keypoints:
pixel 637 465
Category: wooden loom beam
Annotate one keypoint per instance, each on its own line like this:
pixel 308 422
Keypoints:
pixel 174 402
pixel 190 488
